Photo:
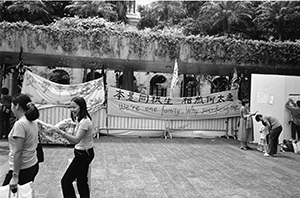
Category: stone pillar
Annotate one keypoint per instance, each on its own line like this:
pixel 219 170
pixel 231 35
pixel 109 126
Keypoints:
pixel 184 91
pixel 15 87
pixel 1 76
pixel 2 67
pixel 128 79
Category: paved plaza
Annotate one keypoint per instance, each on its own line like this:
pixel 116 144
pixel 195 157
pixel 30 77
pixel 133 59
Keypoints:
pixel 178 167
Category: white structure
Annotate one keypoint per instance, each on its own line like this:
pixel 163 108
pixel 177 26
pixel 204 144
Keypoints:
pixel 269 94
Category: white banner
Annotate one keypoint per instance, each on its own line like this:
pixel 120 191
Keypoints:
pixel 44 92
pixel 130 104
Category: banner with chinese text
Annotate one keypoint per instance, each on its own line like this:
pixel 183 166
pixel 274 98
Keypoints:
pixel 131 104
pixel 45 93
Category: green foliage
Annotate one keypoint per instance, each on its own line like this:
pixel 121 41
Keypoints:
pixel 192 8
pixel 78 23
pixel 95 35
pixel 146 22
pixel 266 20
pixel 192 27
pixel 226 14
pixel 35 12
pixel 164 10
pixel 278 19
pixel 85 9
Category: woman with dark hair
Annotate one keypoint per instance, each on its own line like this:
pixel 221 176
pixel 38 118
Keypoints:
pixel 84 152
pixel 245 133
pixel 275 128
pixel 23 140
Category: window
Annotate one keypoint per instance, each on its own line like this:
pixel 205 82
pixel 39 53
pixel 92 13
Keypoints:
pixel 156 87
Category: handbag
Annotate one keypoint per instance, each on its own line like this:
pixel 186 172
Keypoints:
pixel 40 152
pixel 24 191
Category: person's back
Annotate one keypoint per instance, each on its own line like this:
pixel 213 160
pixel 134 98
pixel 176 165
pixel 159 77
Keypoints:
pixel 274 123
pixel 294 108
pixel 27 130
pixel 295 111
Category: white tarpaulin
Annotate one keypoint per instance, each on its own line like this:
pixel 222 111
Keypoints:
pixel 45 93
pixel 130 104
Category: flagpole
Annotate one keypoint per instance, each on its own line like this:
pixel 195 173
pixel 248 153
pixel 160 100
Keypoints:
pixel 174 79
pixel 167 132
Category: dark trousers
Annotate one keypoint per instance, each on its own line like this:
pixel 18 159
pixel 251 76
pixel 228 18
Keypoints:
pixel 78 169
pixel 273 140
pixel 295 130
pixel 25 175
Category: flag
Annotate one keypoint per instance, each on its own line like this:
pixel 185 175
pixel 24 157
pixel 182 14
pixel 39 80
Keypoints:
pixel 234 80
pixel 174 79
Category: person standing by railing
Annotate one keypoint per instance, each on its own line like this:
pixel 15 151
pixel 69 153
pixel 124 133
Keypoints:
pixel 245 133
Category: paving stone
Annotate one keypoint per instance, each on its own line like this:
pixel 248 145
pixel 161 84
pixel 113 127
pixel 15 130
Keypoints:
pixel 178 167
